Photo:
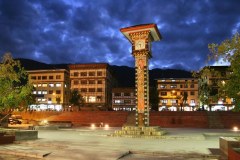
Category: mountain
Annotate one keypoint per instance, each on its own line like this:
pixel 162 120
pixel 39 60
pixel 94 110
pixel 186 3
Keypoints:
pixel 123 74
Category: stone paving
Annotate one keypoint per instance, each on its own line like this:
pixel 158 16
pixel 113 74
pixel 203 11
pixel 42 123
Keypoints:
pixel 88 144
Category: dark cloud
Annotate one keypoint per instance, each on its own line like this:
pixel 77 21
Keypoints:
pixel 83 31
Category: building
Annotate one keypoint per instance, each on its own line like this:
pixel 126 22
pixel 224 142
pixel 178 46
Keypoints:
pixel 123 99
pixel 94 82
pixel 217 75
pixel 171 92
pixel 51 89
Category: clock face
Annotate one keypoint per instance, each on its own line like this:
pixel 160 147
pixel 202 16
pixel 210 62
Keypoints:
pixel 140 44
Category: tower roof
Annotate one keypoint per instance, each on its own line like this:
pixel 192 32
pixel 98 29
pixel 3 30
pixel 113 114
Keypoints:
pixel 142 27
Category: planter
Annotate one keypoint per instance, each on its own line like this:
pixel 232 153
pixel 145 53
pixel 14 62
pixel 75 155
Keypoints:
pixel 228 142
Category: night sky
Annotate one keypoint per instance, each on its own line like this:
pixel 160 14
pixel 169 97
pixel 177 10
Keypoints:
pixel 86 31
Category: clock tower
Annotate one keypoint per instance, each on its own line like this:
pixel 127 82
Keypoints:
pixel 141 37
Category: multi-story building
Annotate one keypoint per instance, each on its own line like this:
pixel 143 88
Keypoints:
pixel 94 82
pixel 51 89
pixel 123 99
pixel 217 74
pixel 172 90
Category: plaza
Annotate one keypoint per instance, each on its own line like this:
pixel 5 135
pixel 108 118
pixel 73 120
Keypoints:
pixel 86 143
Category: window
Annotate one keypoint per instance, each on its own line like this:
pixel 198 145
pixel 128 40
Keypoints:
pixel 44 85
pixel 83 81
pixel 185 85
pixel 192 93
pixel 91 90
pixel 99 98
pixel 99 90
pixel 83 90
pixel 118 101
pixel 163 86
pixel 91 73
pixel 58 91
pixel 127 101
pixel 99 73
pixel 192 86
pixel 39 92
pixel 34 85
pixel 126 94
pixel 50 77
pixel 44 77
pixel 173 101
pixel 39 85
pixel 91 82
pixel 117 94
pixel 163 80
pixel 58 76
pixel 39 77
pixel 34 92
pixel 92 99
pixel 58 84
pixel 44 92
pixel 75 74
pixel 192 101
pixel 173 80
pixel 33 77
pixel 51 85
pixel 50 92
pixel 44 99
pixel 164 101
pixel 173 86
pixel 163 93
pixel 83 74
pixel 181 86
pixel 76 82
pixel 99 82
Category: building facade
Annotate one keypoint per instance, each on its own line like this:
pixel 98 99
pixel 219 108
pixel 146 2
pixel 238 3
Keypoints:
pixel 217 75
pixel 51 89
pixel 94 82
pixel 123 99
pixel 171 94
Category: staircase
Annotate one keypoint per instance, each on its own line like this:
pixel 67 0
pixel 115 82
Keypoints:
pixel 131 119
pixel 214 120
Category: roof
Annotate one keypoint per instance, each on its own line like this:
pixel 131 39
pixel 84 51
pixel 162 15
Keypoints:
pixel 142 27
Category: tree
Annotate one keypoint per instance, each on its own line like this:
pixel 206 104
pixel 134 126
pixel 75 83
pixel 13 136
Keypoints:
pixel 229 51
pixel 76 99
pixel 15 91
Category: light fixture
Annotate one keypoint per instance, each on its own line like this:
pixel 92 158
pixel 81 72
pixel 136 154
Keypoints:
pixel 235 128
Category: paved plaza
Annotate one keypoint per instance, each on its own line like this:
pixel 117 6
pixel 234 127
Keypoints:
pixel 95 144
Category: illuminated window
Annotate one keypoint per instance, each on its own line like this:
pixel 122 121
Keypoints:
pixel 51 85
pixel 39 85
pixel 44 92
pixel 164 101
pixel 58 85
pixel 44 99
pixel 92 99
pixel 163 86
pixel 173 80
pixel 39 92
pixel 44 85
pixel 173 86
pixel 163 80
pixel 34 85
pixel 34 92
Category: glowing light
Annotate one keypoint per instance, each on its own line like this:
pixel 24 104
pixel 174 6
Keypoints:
pixel 106 126
pixel 93 126
pixel 235 128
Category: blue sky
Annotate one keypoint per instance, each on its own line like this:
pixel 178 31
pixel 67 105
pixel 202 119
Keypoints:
pixel 86 31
